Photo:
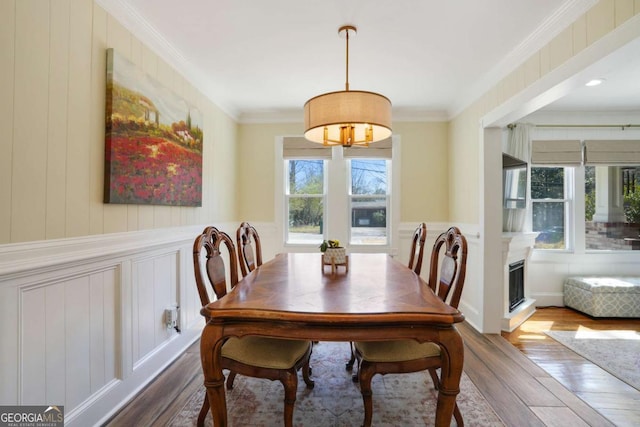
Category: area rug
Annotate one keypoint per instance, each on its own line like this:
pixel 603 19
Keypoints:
pixel 617 352
pixel 398 400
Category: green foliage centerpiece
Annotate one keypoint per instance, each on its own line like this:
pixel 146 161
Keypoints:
pixel 334 255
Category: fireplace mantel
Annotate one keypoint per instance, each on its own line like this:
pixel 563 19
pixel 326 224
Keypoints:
pixel 516 247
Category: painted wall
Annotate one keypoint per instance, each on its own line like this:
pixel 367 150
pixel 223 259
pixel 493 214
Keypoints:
pixel 424 168
pixel 256 171
pixel 100 275
pixel 474 178
pixel 52 80
pixel 52 112
pixel 465 132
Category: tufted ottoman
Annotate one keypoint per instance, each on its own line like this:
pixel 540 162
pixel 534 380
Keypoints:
pixel 604 296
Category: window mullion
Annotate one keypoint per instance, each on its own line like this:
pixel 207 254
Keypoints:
pixel 578 210
pixel 336 197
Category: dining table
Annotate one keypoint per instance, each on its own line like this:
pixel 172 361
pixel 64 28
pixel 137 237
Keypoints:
pixel 293 296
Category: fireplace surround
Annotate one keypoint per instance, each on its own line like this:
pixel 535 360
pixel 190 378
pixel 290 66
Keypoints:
pixel 517 307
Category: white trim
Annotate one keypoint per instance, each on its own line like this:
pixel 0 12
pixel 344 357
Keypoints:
pixel 17 259
pixel 147 34
pixel 33 266
pixel 337 199
pixel 564 16
pixel 567 13
pixel 294 115
pixel 611 50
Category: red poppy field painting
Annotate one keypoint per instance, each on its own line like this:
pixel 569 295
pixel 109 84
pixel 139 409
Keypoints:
pixel 153 141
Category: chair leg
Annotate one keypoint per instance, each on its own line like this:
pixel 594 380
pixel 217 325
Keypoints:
pixel 434 378
pixel 365 376
pixel 313 343
pixel 230 379
pixel 355 376
pixel 203 411
pixel 458 416
pixel 456 411
pixel 290 382
pixel 349 364
pixel 306 375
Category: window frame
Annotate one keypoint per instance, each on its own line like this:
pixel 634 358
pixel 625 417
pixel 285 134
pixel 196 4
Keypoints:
pixel 351 197
pixel 288 196
pixel 569 193
pixel 337 202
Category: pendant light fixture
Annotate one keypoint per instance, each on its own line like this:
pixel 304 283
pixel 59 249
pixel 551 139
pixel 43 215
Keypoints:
pixel 348 117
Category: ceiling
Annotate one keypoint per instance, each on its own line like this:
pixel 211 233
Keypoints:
pixel 260 60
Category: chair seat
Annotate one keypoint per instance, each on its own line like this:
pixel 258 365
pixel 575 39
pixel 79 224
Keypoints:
pixel 265 352
pixel 396 351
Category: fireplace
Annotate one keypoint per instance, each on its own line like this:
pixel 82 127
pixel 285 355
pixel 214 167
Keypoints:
pixel 516 284
pixel 517 306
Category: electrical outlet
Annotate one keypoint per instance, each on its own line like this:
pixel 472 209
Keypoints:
pixel 171 317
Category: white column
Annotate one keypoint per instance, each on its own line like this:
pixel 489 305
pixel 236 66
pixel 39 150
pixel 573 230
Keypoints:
pixel 609 199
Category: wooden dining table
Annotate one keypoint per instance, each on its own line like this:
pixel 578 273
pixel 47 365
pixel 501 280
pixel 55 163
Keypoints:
pixel 292 296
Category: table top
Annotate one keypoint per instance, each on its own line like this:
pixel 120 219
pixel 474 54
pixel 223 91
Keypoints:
pixel 294 287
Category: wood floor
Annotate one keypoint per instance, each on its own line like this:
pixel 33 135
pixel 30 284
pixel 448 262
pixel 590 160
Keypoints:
pixel 528 378
pixel 612 398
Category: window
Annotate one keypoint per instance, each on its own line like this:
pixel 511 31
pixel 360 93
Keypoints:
pixel 336 193
pixel 612 207
pixel 586 194
pixel 305 200
pixel 550 206
pixel 369 201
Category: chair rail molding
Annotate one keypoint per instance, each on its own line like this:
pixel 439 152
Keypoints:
pixel 83 319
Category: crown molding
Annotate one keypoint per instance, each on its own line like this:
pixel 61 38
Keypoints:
pixel 147 34
pixel 295 115
pixel 419 115
pixel 576 118
pixel 567 13
pixel 288 115
pixel 564 16
pixel 612 48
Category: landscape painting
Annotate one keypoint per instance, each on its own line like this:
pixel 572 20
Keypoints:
pixel 153 141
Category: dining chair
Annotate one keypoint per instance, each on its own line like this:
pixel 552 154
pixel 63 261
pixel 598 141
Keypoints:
pixel 249 258
pixel 417 248
pixel 253 356
pixel 415 264
pixel 405 356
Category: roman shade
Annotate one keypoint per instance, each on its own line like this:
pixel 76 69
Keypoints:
pixel 612 152
pixel 300 148
pixel 379 150
pixel 556 152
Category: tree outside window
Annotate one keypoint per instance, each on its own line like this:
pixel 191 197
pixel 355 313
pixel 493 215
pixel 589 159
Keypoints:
pixel 305 200
pixel 369 201
pixel 549 207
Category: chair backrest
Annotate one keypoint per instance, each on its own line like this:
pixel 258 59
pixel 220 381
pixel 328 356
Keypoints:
pixel 449 283
pixel 248 256
pixel 417 248
pixel 208 258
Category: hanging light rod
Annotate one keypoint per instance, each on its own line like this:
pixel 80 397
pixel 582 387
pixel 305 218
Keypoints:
pixel 348 117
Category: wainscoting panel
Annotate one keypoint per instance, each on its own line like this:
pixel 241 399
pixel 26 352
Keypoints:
pixel 68 338
pixel 154 290
pixel 82 320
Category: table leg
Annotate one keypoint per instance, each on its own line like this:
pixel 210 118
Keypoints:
pixel 452 362
pixel 210 348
